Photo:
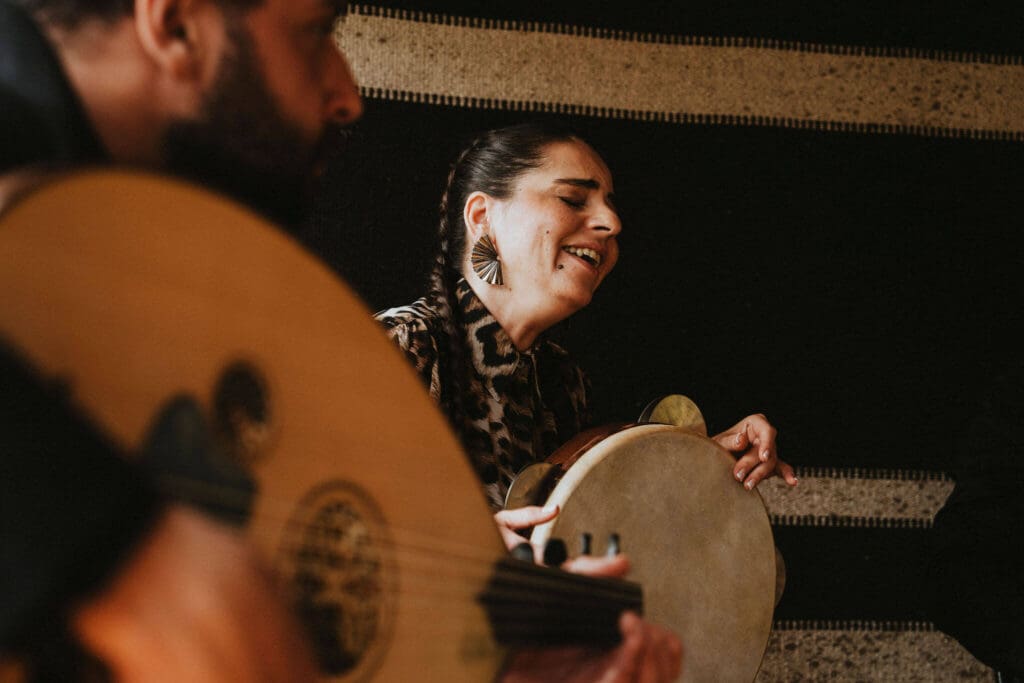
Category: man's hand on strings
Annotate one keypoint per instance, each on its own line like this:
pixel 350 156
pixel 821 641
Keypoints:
pixel 647 654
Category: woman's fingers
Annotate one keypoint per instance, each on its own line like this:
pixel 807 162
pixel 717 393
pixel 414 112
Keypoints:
pixel 752 441
pixel 511 521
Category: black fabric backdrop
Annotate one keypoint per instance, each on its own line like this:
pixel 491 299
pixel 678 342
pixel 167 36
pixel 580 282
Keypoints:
pixel 860 289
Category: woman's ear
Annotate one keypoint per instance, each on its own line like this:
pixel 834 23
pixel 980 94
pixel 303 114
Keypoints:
pixel 168 31
pixel 475 214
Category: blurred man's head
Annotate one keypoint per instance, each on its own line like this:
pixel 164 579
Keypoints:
pixel 235 94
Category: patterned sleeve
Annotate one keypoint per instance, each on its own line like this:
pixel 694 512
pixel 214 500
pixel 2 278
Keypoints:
pixel 419 346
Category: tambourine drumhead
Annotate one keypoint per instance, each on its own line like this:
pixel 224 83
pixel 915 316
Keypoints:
pixel 700 544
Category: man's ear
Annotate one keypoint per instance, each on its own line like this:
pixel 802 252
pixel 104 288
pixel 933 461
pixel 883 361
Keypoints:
pixel 169 33
pixel 475 214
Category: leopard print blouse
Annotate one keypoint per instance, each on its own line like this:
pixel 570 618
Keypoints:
pixel 514 407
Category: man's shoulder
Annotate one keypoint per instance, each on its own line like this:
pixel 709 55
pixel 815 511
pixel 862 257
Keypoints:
pixel 21 133
pixel 42 120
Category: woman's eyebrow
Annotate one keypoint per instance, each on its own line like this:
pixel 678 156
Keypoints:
pixel 588 183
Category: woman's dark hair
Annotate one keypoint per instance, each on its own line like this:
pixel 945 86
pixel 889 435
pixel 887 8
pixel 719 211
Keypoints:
pixel 491 163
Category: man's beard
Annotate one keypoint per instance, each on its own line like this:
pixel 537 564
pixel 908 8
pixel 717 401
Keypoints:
pixel 241 144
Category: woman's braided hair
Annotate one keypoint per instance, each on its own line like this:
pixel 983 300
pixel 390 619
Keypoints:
pixel 491 163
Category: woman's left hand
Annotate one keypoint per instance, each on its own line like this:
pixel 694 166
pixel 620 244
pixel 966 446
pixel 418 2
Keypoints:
pixel 752 441
pixel 511 522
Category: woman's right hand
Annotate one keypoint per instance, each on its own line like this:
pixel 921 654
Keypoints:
pixel 752 441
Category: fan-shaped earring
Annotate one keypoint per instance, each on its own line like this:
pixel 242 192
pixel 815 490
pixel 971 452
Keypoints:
pixel 486 263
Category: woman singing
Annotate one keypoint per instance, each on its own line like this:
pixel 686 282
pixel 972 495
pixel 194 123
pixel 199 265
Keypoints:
pixel 528 232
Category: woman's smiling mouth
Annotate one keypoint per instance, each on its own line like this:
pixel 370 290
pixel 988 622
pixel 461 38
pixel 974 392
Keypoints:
pixel 589 255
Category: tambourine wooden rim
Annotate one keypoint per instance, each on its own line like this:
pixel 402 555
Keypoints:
pixel 700 544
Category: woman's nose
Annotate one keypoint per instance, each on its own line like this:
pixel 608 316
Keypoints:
pixel 608 221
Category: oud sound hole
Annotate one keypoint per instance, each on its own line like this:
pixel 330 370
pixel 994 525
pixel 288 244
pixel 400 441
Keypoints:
pixel 336 556
pixel 241 405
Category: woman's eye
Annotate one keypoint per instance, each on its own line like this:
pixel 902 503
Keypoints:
pixel 575 203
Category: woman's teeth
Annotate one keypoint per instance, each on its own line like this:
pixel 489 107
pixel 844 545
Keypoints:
pixel 588 255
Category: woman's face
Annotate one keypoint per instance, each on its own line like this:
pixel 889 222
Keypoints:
pixel 556 233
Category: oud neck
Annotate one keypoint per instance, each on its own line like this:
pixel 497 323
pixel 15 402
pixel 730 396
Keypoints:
pixel 532 605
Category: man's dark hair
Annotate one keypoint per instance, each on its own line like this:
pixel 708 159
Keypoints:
pixel 68 14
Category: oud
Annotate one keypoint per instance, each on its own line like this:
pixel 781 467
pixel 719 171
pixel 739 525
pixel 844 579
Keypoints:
pixel 254 384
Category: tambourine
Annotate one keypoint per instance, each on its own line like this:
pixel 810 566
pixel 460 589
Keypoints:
pixel 699 543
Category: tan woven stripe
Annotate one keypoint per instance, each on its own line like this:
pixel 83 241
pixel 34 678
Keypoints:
pixel 841 501
pixel 858 654
pixel 675 39
pixel 461 64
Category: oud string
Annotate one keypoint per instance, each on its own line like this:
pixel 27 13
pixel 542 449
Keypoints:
pixel 282 510
pixel 428 558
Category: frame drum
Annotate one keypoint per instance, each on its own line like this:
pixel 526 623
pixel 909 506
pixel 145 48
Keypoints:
pixel 700 544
